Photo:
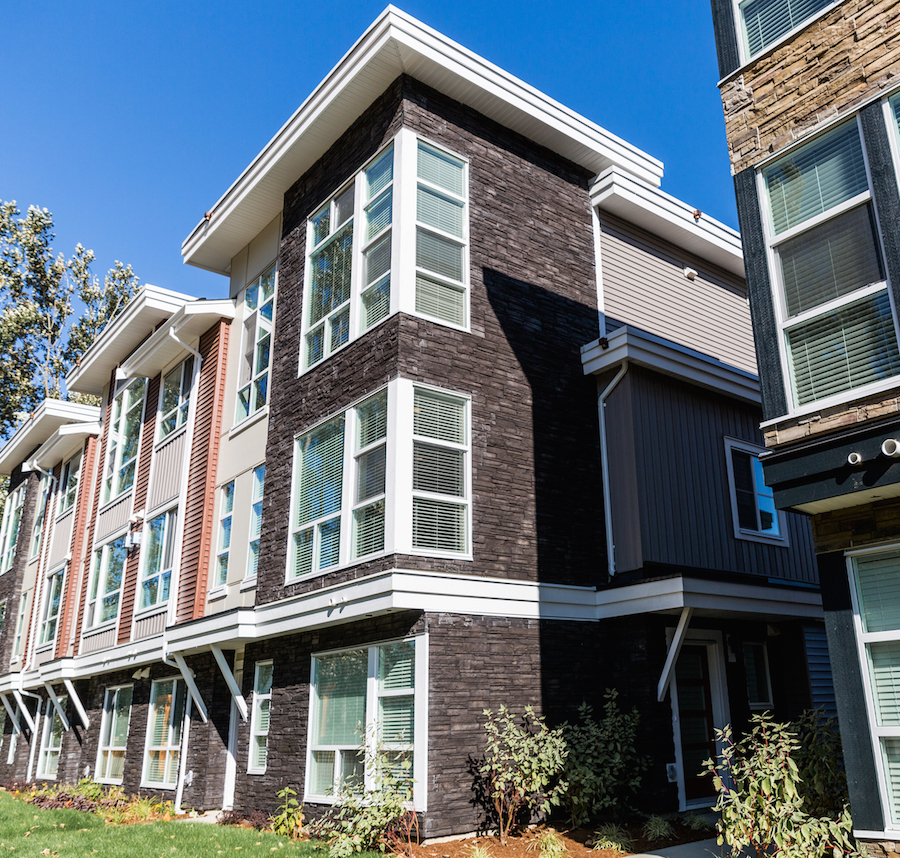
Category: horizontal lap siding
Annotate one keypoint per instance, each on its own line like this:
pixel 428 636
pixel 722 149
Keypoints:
pixel 644 286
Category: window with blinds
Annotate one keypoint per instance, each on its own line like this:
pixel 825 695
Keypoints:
pixel 764 22
pixel 259 721
pixel 363 703
pixel 164 724
pixel 836 317
pixel 877 591
pixel 114 735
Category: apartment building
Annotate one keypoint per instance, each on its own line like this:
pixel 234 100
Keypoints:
pixel 477 424
pixel 812 115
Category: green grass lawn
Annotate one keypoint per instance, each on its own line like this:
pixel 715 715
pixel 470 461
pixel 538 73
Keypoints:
pixel 29 832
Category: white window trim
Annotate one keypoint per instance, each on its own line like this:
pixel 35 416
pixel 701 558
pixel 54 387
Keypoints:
pixel 20 627
pixel 173 714
pixel 108 713
pixel 223 552
pixel 15 503
pixel 250 537
pixel 44 751
pixel 739 533
pixel 46 490
pixel 784 323
pixel 893 130
pixel 45 617
pixel 95 571
pixel 420 716
pixel 254 717
pixel 254 414
pixel 139 608
pixel 162 440
pixel 109 469
pixel 62 506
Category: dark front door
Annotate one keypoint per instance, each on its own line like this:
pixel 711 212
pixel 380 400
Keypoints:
pixel 695 719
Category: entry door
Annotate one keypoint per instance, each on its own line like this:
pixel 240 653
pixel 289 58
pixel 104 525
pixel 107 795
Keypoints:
pixel 695 719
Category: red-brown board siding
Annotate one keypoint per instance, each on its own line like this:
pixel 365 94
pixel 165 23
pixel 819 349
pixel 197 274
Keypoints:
pixel 202 476
pixel 142 480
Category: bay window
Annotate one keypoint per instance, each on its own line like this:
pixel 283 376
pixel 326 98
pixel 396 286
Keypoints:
pixel 366 700
pixel 114 735
pixel 159 559
pixel 9 529
pixel 836 318
pixel 106 582
pixel 176 397
pixel 164 725
pixel 124 438
pixel 256 358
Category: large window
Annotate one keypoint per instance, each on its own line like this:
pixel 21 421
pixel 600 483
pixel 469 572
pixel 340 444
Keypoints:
pixel 876 590
pixel 164 726
pixel 176 397
pixel 37 530
pixel 837 323
pixel 364 701
pixel 52 605
pixel 752 501
pixel 9 529
pixel 256 499
pixel 159 558
pixel 124 438
pixel 20 625
pixel 223 549
pixel 764 22
pixel 259 721
pixel 51 740
pixel 68 485
pixel 106 582
pixel 114 734
pixel 259 325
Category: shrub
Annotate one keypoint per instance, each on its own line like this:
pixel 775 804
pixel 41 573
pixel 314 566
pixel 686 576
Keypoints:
pixel 602 765
pixel 522 767
pixel 288 819
pixel 821 764
pixel 548 844
pixel 696 822
pixel 760 799
pixel 613 836
pixel 479 851
pixel 658 828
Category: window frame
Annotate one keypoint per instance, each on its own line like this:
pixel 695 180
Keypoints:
pixel 46 489
pixel 50 581
pixel 258 481
pixel 20 627
pixel 112 490
pixel 179 692
pixel 11 526
pixel 768 703
pixel 740 31
pixel 226 512
pixel 782 539
pixel 258 698
pixel 182 409
pixel 101 559
pixel 369 740
pixel 248 377
pixel 168 552
pixel 783 321
pixel 47 751
pixel 107 721
pixel 69 493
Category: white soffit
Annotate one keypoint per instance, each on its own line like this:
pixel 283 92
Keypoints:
pixel 65 442
pixel 669 218
pixel 635 346
pixel 45 420
pixel 146 310
pixel 188 323
pixel 393 45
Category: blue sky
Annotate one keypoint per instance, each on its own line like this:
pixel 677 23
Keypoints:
pixel 129 120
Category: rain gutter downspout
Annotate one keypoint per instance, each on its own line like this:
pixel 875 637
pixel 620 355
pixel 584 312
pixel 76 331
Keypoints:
pixel 604 467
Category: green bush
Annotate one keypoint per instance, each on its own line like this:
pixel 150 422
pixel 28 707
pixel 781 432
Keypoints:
pixel 522 767
pixel 760 798
pixel 602 766
pixel 288 818
pixel 821 763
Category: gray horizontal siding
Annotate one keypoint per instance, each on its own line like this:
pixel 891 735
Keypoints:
pixel 644 286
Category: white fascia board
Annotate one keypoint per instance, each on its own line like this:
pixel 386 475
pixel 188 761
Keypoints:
pixel 671 595
pixel 393 45
pixel 44 422
pixel 65 442
pixel 150 306
pixel 662 214
pixel 187 323
pixel 631 345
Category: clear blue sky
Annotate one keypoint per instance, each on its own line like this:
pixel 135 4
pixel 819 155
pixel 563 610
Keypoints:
pixel 129 120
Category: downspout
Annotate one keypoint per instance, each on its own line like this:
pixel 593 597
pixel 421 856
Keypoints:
pixel 604 467
pixel 172 612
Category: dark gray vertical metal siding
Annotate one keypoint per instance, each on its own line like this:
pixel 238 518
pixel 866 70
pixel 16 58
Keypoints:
pixel 821 683
pixel 682 483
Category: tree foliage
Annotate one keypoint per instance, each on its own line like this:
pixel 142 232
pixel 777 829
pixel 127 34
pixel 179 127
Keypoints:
pixel 40 339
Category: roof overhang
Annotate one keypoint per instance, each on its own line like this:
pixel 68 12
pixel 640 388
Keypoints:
pixel 64 443
pixel 43 424
pixel 397 44
pixel 146 310
pixel 620 194
pixel 630 345
pixel 171 339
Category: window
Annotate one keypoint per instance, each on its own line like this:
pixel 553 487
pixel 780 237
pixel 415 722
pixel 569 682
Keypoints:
pixel 759 683
pixel 124 437
pixel 52 606
pixel 114 734
pixel 752 501
pixel 20 626
pixel 106 582
pixel 259 722
pixel 164 725
pixel 37 531
pixel 226 508
pixel 259 322
pixel 51 740
pixel 9 529
pixel 332 277
pixel 875 583
pixel 2 614
pixel 441 225
pixel 159 557
pixel 764 22
pixel 364 699
pixel 68 485
pixel 836 318
pixel 256 499
pixel 176 397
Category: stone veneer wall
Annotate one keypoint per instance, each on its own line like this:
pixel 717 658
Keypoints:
pixel 846 57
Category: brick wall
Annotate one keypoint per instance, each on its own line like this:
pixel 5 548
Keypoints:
pixel 846 57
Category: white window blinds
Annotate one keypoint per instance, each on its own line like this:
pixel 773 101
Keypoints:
pixel 766 21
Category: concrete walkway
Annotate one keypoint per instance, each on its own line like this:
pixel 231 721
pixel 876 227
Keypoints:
pixel 699 849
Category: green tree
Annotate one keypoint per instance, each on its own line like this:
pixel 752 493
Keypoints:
pixel 39 341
